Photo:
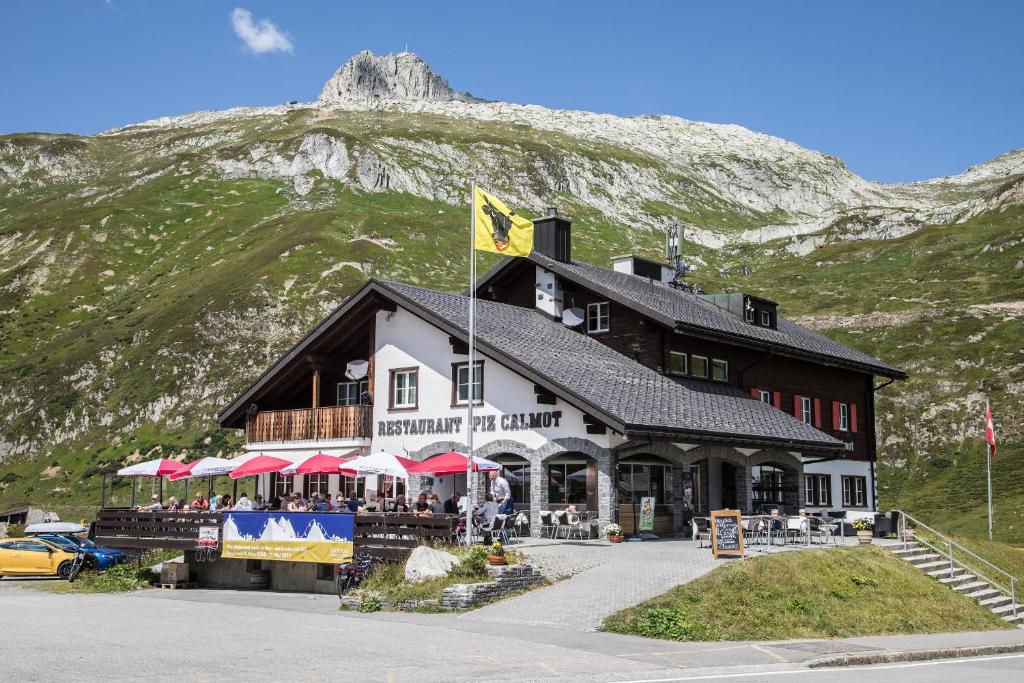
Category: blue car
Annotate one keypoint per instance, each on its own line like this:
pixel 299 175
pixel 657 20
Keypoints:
pixel 103 558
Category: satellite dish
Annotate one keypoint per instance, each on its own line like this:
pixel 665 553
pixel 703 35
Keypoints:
pixel 357 369
pixel 571 317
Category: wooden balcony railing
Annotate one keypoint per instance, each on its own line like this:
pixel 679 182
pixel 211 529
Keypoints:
pixel 309 424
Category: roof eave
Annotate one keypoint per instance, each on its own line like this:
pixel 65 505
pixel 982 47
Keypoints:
pixel 833 446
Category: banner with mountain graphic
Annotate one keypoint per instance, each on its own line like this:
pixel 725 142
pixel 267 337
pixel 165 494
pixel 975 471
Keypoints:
pixel 288 536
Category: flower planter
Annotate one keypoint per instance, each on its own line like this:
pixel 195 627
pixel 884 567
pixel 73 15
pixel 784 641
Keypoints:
pixel 497 559
pixel 864 536
pixel 616 539
pixel 909 534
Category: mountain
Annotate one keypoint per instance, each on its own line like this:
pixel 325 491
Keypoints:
pixel 149 272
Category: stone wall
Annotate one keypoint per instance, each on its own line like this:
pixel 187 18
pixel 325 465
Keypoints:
pixel 507 579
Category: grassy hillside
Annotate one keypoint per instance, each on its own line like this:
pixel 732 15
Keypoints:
pixel 149 274
pixel 838 593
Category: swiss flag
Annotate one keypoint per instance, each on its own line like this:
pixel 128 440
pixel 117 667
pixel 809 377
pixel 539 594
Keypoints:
pixel 990 430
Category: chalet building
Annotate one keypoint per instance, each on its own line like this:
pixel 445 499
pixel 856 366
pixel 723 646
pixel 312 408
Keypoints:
pixel 701 401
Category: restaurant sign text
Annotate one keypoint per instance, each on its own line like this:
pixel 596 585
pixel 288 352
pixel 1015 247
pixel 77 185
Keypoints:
pixel 506 422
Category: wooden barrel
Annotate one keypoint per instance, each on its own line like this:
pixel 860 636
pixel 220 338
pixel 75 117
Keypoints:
pixel 259 579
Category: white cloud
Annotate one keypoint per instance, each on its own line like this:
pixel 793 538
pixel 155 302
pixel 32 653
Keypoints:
pixel 260 36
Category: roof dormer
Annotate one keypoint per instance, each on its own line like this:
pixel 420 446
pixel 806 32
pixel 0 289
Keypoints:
pixel 752 309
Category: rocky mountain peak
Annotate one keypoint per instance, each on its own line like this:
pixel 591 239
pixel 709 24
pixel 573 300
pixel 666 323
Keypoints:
pixel 366 78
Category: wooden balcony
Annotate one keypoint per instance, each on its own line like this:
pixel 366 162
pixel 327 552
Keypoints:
pixel 309 424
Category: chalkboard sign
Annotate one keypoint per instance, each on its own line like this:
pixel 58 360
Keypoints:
pixel 727 533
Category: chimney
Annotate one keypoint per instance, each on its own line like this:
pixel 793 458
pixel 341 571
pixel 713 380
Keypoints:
pixel 552 236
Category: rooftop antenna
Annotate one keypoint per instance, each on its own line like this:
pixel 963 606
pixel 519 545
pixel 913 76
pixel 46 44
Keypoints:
pixel 674 238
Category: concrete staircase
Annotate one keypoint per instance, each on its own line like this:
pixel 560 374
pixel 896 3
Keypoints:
pixel 960 579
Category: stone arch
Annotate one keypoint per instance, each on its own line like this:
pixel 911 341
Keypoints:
pixel 499 446
pixel 572 444
pixel 770 455
pixel 436 448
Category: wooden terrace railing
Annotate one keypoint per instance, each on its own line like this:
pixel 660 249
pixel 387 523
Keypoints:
pixel 388 535
pixel 309 424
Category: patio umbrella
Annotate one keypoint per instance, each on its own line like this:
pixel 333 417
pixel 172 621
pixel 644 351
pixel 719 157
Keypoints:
pixel 205 467
pixel 259 465
pixel 451 462
pixel 152 468
pixel 321 463
pixel 380 463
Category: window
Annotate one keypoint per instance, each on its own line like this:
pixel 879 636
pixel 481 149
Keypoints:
pixel 351 393
pixel 460 384
pixel 641 478
pixel 567 483
pixel 854 491
pixel 749 313
pixel 766 484
pixel 517 473
pixel 281 485
pixel 766 319
pixel 597 317
pixel 699 366
pixel 31 546
pixel 844 417
pixel 818 489
pixel 720 370
pixel 353 486
pixel 404 382
pixel 314 483
pixel 677 363
pixel 764 396
pixel 806 410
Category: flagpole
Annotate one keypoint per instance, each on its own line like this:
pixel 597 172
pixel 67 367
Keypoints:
pixel 988 459
pixel 472 359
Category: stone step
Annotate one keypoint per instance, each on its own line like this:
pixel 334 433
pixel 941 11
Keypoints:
pixel 923 557
pixel 996 601
pixel 912 552
pixel 988 593
pixel 959 578
pixel 1007 610
pixel 972 587
pixel 945 573
pixel 1019 619
pixel 933 566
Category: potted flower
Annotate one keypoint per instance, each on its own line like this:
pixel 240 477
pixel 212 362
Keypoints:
pixel 863 528
pixel 614 533
pixel 497 555
pixel 909 532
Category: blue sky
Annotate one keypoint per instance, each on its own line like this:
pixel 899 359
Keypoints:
pixel 899 90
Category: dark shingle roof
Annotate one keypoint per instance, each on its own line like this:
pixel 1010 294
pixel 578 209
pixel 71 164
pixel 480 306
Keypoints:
pixel 677 308
pixel 609 384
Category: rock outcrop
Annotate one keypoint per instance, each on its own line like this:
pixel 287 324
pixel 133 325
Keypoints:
pixel 402 77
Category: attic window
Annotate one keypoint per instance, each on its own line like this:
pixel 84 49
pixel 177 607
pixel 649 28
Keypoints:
pixel 750 314
pixel 766 318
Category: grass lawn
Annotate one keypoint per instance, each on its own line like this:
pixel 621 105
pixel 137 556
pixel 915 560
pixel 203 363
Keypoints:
pixel 837 593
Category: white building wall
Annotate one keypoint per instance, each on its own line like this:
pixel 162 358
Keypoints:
pixel 837 469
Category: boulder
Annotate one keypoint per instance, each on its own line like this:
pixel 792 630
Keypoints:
pixel 428 563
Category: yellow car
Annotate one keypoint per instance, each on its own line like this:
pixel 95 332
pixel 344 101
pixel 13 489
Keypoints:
pixel 34 557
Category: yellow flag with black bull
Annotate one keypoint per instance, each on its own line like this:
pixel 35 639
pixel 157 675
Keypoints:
pixel 497 229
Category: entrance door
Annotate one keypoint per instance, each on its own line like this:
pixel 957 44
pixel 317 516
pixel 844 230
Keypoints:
pixel 728 486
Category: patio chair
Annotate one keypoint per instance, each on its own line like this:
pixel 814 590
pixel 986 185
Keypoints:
pixel 498 529
pixel 561 521
pixel 755 530
pixel 701 529
pixel 521 521
pixel 548 523
pixel 796 529
pixel 823 529
pixel 573 524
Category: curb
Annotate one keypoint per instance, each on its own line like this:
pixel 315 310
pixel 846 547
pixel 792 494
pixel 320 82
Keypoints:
pixel 886 657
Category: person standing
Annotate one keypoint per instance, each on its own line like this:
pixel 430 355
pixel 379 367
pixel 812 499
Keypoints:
pixel 502 493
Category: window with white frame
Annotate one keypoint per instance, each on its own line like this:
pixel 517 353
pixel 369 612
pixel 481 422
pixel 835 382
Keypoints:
pixel 597 317
pixel 461 381
pixel 818 490
pixel 699 366
pixel 806 410
pixel 677 363
pixel 764 396
pixel 854 491
pixel 720 370
pixel 351 393
pixel 844 417
pixel 766 319
pixel 404 383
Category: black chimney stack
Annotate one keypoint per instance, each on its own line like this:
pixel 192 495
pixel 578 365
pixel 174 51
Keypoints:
pixel 552 236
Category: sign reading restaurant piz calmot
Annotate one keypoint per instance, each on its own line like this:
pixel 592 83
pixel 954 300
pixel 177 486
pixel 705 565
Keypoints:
pixel 507 422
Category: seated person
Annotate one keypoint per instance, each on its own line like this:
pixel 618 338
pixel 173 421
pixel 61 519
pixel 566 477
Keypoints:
pixel 372 504
pixel 225 503
pixel 244 504
pixel 172 504
pixel 400 504
pixel 294 505
pixel 453 505
pixel 320 503
pixel 199 503
pixel 436 506
pixel 421 506
pixel 258 504
pixel 485 514
pixel 154 505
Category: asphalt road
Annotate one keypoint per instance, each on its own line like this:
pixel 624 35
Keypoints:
pixel 226 635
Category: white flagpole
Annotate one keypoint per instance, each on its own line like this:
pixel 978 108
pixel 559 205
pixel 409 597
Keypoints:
pixel 988 458
pixel 472 359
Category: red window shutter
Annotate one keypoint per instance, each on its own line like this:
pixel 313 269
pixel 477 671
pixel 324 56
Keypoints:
pixel 835 415
pixel 798 407
pixel 777 400
pixel 817 413
pixel 755 394
pixel 853 417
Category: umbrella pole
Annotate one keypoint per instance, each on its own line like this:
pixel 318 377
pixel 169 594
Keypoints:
pixel 103 493
pixel 133 490
pixel 184 498
pixel 161 498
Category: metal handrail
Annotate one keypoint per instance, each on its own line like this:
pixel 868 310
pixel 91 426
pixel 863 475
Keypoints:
pixel 950 543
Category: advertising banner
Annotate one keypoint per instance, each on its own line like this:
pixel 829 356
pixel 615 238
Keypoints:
pixel 325 538
pixel 647 513
pixel 208 538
